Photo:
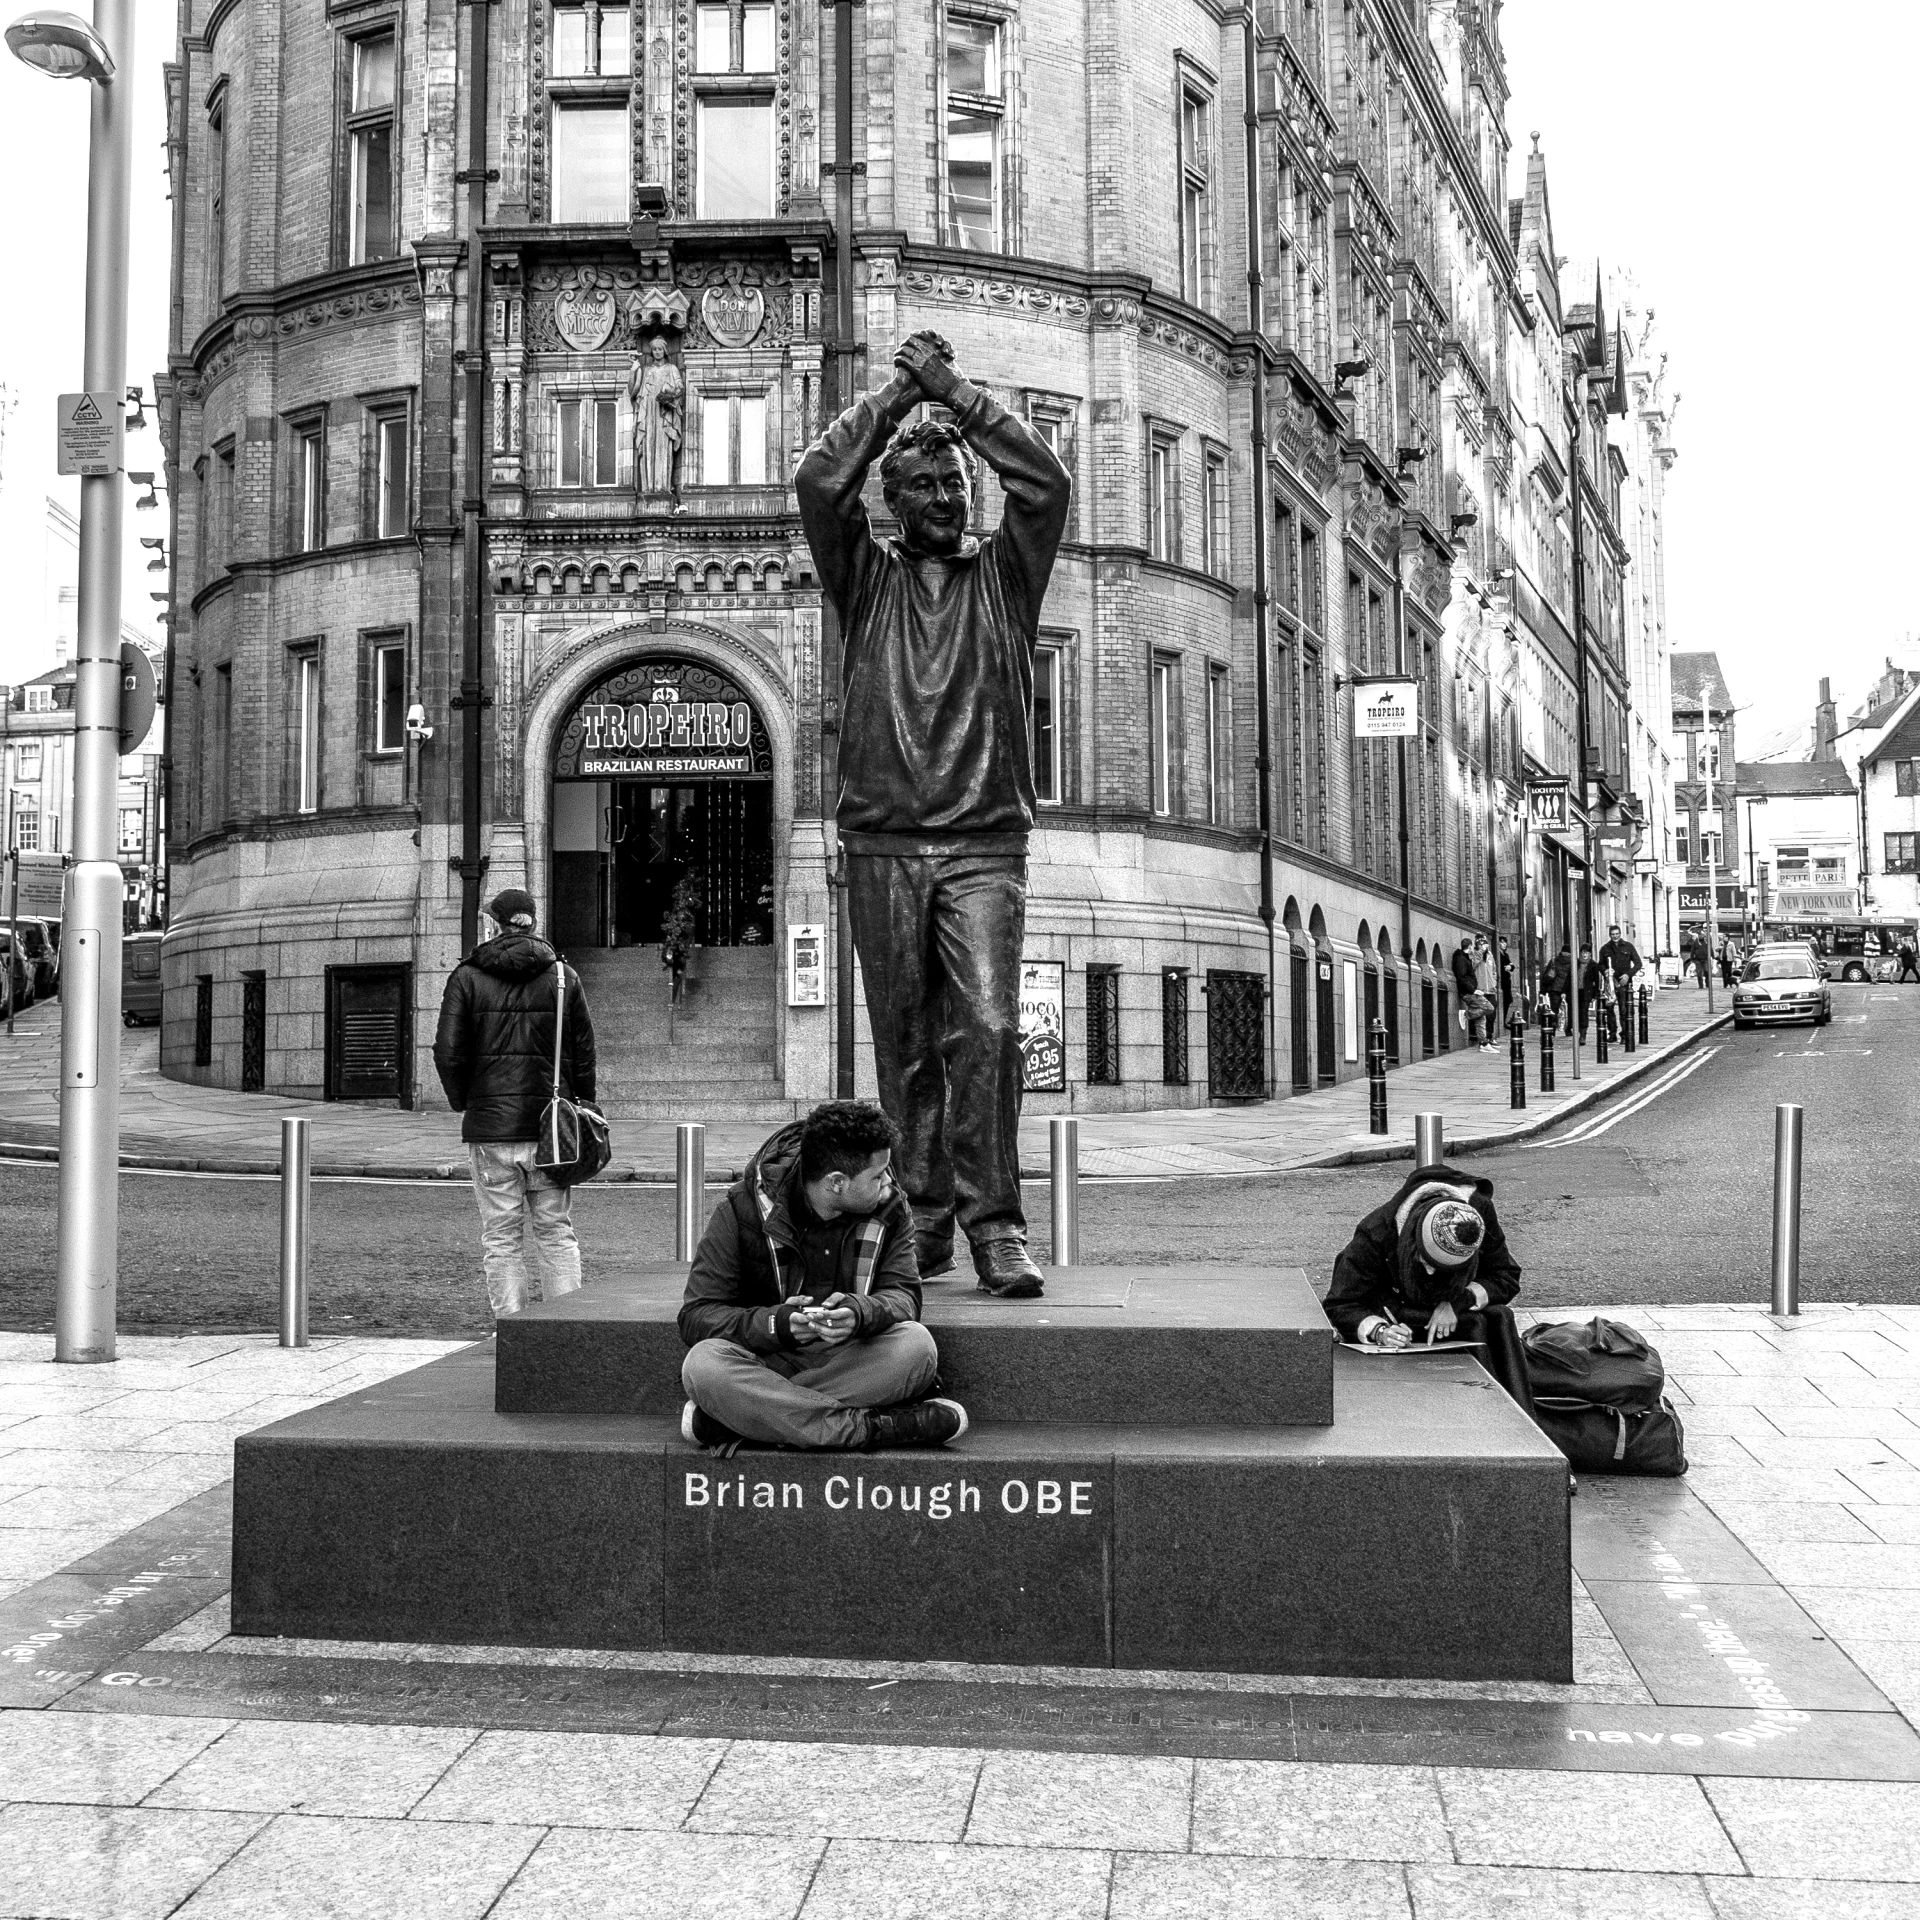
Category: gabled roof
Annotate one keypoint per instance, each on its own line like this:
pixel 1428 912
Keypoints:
pixel 1901 740
pixel 1690 672
pixel 1782 779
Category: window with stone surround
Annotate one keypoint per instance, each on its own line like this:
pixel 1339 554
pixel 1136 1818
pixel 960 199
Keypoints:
pixel 1219 746
pixel 221 529
pixel 1055 417
pixel 26 760
pixel 736 58
pixel 216 193
pixel 733 439
pixel 220 758
pixel 1163 492
pixel 372 210
pixel 305 727
pixel 1906 777
pixel 586 440
pixel 386 691
pixel 307 483
pixel 388 513
pixel 1903 852
pixel 973 125
pixel 26 823
pixel 1215 527
pixel 1163 734
pixel 1049 666
pixel 1195 133
pixel 589 84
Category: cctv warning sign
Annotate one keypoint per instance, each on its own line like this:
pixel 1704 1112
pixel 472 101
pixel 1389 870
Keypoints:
pixel 91 433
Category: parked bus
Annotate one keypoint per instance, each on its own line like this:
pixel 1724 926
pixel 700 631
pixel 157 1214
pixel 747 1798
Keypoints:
pixel 1854 949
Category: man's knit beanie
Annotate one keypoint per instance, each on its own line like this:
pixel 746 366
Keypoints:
pixel 513 906
pixel 1450 1233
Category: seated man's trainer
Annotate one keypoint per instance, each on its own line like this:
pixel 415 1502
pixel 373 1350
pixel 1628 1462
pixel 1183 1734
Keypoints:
pixel 803 1303
pixel 1432 1265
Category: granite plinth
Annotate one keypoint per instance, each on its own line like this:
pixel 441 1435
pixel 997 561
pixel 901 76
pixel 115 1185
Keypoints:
pixel 1422 1533
pixel 1123 1346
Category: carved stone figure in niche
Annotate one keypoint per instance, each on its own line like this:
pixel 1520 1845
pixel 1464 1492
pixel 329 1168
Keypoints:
pixel 657 392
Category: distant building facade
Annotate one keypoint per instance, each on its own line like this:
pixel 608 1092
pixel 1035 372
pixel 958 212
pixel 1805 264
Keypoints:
pixel 1706 840
pixel 1802 831
pixel 633 344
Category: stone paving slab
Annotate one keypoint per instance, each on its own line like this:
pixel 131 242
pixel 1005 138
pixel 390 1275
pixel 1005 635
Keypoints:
pixel 287 1778
pixel 172 1125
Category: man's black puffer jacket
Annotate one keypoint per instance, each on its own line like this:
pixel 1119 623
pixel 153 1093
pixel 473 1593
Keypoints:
pixel 494 1049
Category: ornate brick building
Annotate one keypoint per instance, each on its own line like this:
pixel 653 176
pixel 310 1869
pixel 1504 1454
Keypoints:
pixel 491 364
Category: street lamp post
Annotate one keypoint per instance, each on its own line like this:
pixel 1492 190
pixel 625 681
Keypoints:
pixel 1709 753
pixel 86 1255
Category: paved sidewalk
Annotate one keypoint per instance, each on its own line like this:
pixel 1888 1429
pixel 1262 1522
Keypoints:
pixel 442 1783
pixel 166 1123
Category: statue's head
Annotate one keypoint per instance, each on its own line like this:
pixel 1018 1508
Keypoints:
pixel 658 349
pixel 927 477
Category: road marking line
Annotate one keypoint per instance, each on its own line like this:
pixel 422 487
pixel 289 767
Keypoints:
pixel 1668 1077
pixel 1645 1097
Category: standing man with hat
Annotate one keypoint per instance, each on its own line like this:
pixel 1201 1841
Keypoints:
pixel 494 1055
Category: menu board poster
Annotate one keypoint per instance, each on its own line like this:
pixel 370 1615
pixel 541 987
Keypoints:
pixel 1043 1026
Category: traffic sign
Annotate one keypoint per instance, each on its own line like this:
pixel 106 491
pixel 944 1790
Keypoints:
pixel 138 697
pixel 92 433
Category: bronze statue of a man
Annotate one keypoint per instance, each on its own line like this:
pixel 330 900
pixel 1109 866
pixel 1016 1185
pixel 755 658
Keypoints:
pixel 936 779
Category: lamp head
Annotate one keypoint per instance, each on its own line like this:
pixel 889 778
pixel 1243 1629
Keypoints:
pixel 61 45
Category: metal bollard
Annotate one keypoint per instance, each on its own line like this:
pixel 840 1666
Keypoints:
pixel 296 1169
pixel 1646 997
pixel 1517 1062
pixel 1786 1209
pixel 1063 1142
pixel 1377 1077
pixel 689 1186
pixel 1546 1048
pixel 1429 1140
pixel 1602 1020
pixel 1625 1004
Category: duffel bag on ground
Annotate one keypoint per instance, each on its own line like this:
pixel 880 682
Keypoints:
pixel 1615 1439
pixel 1605 1362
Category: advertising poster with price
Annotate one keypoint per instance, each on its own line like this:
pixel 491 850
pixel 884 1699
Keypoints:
pixel 1043 1026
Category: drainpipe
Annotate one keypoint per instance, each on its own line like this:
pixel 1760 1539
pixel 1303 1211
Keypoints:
pixel 1262 631
pixel 473 697
pixel 843 379
pixel 1576 417
pixel 1400 762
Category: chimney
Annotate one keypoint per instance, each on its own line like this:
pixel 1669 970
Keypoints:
pixel 1826 727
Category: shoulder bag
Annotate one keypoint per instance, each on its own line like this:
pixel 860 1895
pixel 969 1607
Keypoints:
pixel 574 1140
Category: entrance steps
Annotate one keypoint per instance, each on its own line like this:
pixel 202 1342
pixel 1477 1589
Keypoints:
pixel 714 1056
pixel 1167 1468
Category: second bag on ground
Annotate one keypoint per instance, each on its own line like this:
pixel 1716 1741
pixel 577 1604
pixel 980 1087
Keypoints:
pixel 1599 1394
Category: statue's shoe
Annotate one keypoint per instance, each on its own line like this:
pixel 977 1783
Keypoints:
pixel 1006 1270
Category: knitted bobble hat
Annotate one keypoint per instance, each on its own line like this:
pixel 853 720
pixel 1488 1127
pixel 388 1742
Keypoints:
pixel 1450 1233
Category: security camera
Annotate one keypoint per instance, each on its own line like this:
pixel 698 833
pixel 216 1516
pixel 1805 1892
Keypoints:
pixel 417 728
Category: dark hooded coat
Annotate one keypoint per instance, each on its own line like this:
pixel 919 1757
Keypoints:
pixel 1379 1273
pixel 494 1048
pixel 763 1255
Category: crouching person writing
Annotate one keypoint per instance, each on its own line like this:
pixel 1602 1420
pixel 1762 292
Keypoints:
pixel 1432 1265
pixel 802 1313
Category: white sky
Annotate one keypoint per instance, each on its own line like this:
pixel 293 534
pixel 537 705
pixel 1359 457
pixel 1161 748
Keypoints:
pixel 1751 165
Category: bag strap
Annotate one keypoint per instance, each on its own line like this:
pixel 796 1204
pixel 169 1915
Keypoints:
pixel 559 1018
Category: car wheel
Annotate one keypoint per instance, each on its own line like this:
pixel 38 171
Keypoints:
pixel 1854 976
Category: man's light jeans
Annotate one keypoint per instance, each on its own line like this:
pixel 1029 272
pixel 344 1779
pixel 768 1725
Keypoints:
pixel 514 1194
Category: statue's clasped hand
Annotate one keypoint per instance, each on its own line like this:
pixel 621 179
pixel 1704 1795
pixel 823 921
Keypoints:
pixel 926 358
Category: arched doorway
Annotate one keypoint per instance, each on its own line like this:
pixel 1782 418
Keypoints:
pixel 663 804
pixel 1299 994
pixel 1325 1031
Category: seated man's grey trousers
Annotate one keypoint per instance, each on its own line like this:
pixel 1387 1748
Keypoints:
pixel 813 1398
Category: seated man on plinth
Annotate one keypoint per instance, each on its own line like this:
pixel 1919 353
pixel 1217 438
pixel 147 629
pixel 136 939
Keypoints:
pixel 803 1304
pixel 1432 1265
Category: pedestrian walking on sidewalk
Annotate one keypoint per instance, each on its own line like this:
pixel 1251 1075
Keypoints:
pixel 1702 957
pixel 1506 980
pixel 494 1055
pixel 1592 986
pixel 802 1311
pixel 1909 962
pixel 1726 962
pixel 1557 985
